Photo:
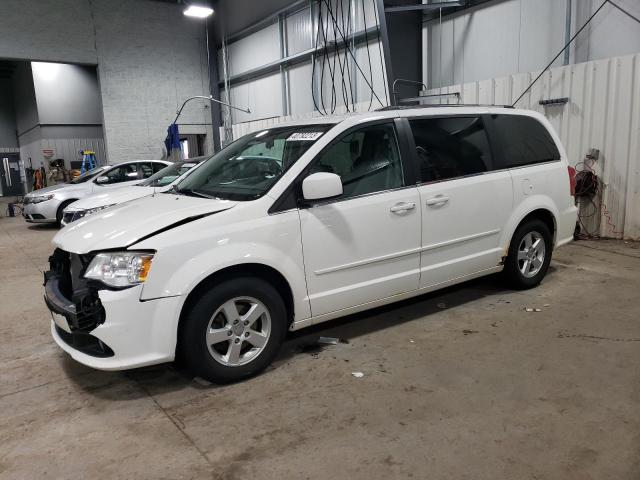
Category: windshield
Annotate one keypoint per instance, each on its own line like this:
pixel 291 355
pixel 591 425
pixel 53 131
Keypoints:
pixel 88 175
pixel 250 166
pixel 168 174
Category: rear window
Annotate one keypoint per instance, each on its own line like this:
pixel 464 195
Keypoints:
pixel 524 141
pixel 450 147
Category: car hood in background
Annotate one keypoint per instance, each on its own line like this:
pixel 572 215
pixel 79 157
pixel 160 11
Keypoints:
pixel 124 225
pixel 52 188
pixel 113 197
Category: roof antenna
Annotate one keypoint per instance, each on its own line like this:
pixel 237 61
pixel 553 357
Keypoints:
pixel 560 53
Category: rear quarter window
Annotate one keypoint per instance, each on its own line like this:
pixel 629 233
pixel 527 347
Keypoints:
pixel 450 147
pixel 523 141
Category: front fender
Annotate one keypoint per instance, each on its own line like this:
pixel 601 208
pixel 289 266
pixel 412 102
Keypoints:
pixel 189 254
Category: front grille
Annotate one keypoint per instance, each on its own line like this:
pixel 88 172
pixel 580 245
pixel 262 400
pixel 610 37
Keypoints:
pixel 68 269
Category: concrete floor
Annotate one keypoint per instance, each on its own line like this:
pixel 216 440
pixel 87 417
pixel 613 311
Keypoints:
pixel 462 384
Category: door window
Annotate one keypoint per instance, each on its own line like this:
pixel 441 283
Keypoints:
pixel 524 140
pixel 157 166
pixel 145 170
pixel 367 161
pixel 122 173
pixel 450 147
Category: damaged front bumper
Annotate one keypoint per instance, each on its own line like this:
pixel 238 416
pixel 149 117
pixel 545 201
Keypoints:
pixel 107 329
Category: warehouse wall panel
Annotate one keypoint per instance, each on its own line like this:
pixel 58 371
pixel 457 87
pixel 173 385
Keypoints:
pixel 299 87
pixel 290 91
pixel 515 36
pixel 255 50
pixel 373 74
pixel 8 136
pixel 24 94
pixel 66 94
pixel 612 33
pixel 150 58
pixel 603 113
pixel 262 94
pixel 299 28
pixel 56 31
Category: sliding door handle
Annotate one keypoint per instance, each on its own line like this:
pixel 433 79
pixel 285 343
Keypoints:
pixel 437 200
pixel 402 207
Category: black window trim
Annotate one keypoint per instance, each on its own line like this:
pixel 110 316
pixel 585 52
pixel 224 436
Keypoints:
pixel 416 162
pixel 284 201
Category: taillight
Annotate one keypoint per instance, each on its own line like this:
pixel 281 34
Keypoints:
pixel 572 180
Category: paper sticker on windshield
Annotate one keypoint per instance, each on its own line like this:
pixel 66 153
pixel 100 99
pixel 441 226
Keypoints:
pixel 304 136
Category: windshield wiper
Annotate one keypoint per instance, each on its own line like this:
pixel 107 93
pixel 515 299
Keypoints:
pixel 194 193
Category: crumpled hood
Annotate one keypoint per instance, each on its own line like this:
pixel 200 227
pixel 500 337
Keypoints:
pixel 112 197
pixel 125 224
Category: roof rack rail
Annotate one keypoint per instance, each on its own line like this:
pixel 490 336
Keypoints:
pixel 420 98
pixel 435 105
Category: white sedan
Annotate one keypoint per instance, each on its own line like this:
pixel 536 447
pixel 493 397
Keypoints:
pixel 47 204
pixel 159 182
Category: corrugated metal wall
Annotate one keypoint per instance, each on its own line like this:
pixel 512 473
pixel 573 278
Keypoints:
pixel 603 113
pixel 69 148
pixel 289 92
pixel 518 36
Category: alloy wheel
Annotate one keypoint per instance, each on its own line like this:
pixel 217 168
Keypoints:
pixel 238 331
pixel 531 254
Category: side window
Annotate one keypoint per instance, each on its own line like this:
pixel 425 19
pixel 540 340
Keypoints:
pixel 156 166
pixel 367 161
pixel 524 140
pixel 145 170
pixel 123 173
pixel 450 147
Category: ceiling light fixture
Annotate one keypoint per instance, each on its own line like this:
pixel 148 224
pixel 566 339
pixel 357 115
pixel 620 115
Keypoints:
pixel 198 11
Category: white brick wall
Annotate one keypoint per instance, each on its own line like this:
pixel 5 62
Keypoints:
pixel 149 57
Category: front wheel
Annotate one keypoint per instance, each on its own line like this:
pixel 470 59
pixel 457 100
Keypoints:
pixel 234 330
pixel 529 255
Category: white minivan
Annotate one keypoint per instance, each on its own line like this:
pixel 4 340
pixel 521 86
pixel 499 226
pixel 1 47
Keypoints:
pixel 302 223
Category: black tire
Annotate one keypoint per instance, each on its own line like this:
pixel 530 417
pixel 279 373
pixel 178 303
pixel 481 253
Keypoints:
pixel 59 212
pixel 512 268
pixel 193 349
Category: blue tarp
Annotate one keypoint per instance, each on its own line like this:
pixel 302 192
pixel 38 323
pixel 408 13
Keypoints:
pixel 172 142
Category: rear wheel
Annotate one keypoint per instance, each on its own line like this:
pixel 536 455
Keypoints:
pixel 234 330
pixel 529 255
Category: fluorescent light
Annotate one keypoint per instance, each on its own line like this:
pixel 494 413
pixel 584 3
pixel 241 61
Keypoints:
pixel 197 11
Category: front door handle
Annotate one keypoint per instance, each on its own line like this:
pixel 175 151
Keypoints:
pixel 402 207
pixel 437 200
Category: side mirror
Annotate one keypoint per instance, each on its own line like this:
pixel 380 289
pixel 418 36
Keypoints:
pixel 321 185
pixel 102 179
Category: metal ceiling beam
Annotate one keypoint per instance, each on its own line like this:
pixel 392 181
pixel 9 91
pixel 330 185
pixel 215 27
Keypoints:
pixel 430 15
pixel 425 7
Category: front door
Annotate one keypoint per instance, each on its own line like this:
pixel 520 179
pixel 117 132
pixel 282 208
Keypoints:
pixel 465 204
pixel 10 174
pixel 364 245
